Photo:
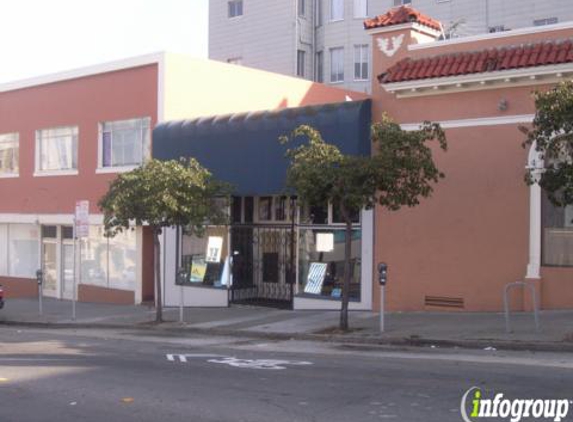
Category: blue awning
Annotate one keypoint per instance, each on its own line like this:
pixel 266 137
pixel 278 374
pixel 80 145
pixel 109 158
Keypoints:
pixel 244 150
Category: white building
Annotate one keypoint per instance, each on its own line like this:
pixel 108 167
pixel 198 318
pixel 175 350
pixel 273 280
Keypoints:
pixel 324 40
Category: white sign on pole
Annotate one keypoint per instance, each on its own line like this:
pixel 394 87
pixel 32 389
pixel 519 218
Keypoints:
pixel 82 217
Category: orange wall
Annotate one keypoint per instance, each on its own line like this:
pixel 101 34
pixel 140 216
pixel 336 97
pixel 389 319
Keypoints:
pixel 472 236
pixel 83 102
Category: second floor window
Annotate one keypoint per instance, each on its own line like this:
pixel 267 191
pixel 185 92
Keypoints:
pixel 336 10
pixel 360 8
pixel 57 149
pixel 337 64
pixel 301 7
pixel 319 67
pixel 9 152
pixel 235 8
pixel 125 143
pixel 300 54
pixel 401 2
pixel 361 62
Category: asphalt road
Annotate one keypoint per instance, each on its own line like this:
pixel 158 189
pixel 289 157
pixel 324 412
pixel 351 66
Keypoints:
pixel 111 376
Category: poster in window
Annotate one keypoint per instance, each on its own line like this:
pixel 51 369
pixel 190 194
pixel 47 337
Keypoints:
pixel 315 280
pixel 214 247
pixel 198 270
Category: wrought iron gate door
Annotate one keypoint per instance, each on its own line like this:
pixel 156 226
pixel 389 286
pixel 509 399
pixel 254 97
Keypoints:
pixel 263 264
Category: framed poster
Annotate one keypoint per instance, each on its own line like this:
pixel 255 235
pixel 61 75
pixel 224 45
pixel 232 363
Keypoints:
pixel 315 279
pixel 214 248
pixel 198 269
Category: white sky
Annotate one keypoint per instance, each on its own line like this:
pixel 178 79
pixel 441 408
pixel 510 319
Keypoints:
pixel 45 36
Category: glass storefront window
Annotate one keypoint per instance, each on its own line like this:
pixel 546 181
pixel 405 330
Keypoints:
pixel 94 255
pixel 321 262
pixel 557 234
pixel 23 250
pixel 122 260
pixel 203 258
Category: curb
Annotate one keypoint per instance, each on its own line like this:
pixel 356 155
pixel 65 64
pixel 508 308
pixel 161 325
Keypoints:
pixel 354 342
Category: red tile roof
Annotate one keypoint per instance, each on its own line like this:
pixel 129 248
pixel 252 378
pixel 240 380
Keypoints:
pixel 400 15
pixel 488 60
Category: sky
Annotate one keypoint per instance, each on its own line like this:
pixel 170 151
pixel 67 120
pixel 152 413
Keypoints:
pixel 39 37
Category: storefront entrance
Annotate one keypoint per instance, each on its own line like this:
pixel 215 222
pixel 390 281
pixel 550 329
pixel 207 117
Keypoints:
pixel 263 265
pixel 58 261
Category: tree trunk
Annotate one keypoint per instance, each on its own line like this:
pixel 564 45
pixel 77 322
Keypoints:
pixel 347 272
pixel 158 296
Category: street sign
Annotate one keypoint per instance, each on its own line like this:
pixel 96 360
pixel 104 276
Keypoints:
pixel 81 220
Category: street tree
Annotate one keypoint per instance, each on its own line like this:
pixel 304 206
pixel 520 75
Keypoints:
pixel 164 194
pixel 552 135
pixel 399 173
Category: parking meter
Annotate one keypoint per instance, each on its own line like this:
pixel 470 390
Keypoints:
pixel 382 279
pixel 382 273
pixel 40 281
pixel 40 277
pixel 181 275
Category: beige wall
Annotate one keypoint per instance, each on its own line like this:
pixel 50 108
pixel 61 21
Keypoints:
pixel 196 88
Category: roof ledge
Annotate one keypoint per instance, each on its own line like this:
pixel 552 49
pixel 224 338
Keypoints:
pixel 477 82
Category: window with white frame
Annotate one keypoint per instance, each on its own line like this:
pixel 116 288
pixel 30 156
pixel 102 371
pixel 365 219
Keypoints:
pixel 235 8
pixel 57 149
pixel 360 8
pixel 361 62
pixel 125 143
pixel 336 10
pixel 23 250
pixel 9 151
pixel 300 63
pixel 337 64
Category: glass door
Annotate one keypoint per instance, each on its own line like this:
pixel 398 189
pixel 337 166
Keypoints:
pixel 67 262
pixel 50 260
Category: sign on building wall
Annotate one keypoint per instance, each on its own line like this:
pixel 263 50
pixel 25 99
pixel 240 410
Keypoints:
pixel 81 220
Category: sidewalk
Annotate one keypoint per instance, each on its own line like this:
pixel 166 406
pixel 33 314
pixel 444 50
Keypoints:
pixel 475 330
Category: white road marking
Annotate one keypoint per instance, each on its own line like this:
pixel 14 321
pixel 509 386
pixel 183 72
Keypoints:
pixel 183 357
pixel 272 364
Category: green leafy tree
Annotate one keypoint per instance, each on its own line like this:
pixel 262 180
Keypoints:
pixel 399 173
pixel 164 194
pixel 552 134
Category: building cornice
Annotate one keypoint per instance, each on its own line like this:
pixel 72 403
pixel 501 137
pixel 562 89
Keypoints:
pixel 494 36
pixel 476 122
pixel 531 76
pixel 128 63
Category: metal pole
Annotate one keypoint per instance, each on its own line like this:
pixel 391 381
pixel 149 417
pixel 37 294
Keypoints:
pixel 181 303
pixel 40 298
pixel 382 288
pixel 74 278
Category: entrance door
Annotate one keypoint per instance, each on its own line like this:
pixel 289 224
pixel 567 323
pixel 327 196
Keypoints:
pixel 58 261
pixel 50 260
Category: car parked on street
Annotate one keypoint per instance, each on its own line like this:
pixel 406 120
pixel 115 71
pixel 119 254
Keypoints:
pixel 1 297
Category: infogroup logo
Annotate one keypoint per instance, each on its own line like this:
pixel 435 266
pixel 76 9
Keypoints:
pixel 475 407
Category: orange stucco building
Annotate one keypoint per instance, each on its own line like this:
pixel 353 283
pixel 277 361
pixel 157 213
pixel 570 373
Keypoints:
pixel 482 228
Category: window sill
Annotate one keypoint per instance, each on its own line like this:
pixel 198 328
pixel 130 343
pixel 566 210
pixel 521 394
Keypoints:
pixel 9 175
pixel 329 298
pixel 203 286
pixel 336 20
pixel 107 170
pixel 361 80
pixel 336 82
pixel 55 173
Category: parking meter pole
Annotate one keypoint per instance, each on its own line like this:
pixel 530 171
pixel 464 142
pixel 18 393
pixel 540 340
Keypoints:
pixel 39 281
pixel 382 288
pixel 181 291
pixel 382 280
